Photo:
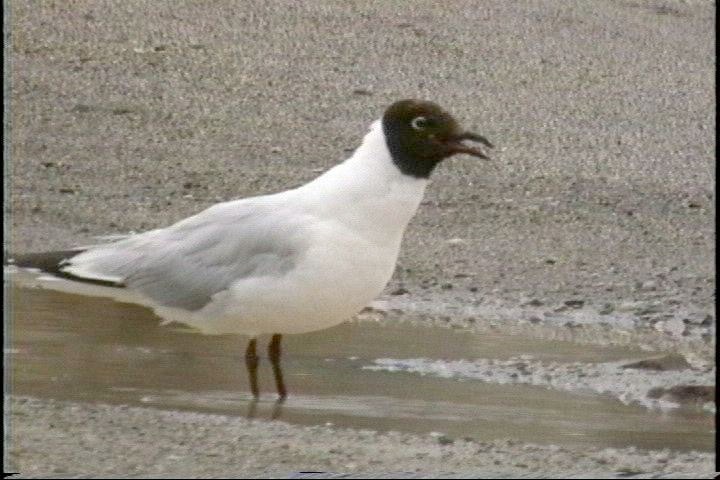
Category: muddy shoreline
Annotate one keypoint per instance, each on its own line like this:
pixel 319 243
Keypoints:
pixel 511 390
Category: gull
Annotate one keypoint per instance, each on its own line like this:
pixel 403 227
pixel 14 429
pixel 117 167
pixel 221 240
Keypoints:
pixel 300 260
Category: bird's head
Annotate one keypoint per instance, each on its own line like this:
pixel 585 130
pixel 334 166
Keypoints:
pixel 420 134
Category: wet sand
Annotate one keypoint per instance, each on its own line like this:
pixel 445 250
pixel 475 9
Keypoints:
pixel 132 442
pixel 593 223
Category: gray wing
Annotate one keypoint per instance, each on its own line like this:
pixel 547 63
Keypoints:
pixel 186 264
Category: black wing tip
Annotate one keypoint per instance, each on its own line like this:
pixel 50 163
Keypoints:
pixel 52 263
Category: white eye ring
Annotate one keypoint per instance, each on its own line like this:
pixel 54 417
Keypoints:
pixel 419 123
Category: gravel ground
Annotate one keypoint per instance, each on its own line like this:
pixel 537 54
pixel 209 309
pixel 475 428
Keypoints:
pixel 84 440
pixel 131 116
pixel 596 210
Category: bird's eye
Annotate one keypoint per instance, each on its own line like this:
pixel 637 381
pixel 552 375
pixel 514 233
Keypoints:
pixel 419 123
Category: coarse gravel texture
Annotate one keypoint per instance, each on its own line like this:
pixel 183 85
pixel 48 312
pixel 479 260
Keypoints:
pixel 84 440
pixel 597 210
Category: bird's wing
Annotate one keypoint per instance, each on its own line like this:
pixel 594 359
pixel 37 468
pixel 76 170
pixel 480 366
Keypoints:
pixel 184 265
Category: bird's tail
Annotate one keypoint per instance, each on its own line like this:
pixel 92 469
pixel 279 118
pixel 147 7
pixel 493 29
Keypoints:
pixel 53 263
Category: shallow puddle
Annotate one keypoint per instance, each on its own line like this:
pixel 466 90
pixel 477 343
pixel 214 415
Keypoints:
pixel 93 349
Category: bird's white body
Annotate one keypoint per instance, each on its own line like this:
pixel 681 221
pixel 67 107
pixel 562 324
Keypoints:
pixel 292 262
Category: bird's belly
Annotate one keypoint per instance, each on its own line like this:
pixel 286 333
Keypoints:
pixel 328 286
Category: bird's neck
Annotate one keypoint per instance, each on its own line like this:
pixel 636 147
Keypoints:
pixel 368 192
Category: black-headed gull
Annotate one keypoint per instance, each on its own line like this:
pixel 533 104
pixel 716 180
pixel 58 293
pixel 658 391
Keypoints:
pixel 296 261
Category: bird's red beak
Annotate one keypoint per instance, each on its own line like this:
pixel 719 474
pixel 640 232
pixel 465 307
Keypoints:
pixel 455 144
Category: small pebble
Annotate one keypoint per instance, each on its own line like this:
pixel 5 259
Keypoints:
pixel 575 303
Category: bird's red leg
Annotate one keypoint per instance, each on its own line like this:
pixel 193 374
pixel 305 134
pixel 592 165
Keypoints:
pixel 251 361
pixel 274 353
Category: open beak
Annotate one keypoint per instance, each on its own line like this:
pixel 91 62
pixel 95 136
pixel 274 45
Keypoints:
pixel 456 145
